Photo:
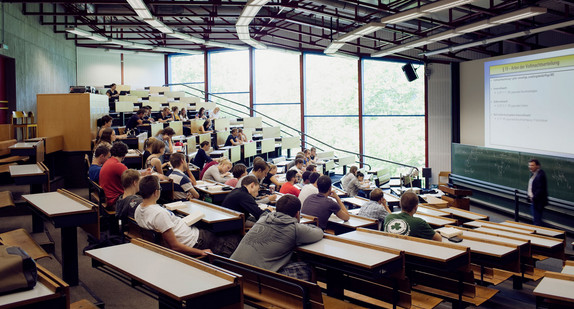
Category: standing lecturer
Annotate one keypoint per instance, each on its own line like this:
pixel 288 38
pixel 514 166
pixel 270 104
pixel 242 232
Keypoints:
pixel 537 191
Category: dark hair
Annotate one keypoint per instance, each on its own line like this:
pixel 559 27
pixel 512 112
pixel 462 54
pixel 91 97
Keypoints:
pixel 311 167
pixel 113 84
pixel 147 107
pixel 119 149
pixel 141 111
pixel 204 143
pixel 249 179
pixel 306 175
pixel 233 130
pixel 167 130
pixel 238 170
pixel 176 159
pixel 174 108
pixel 324 184
pixel 106 136
pixel 314 176
pixel 148 185
pixel 206 124
pixel 353 169
pixel 291 174
pixel 201 111
pixel 288 204
pixel 102 150
pixel 376 195
pixel 298 161
pixel 128 177
pixel 359 174
pixel 105 119
pixel 409 201
pixel 259 165
pixel 157 146
pixel 535 161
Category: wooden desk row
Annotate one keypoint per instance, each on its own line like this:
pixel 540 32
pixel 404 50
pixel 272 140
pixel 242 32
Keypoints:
pixel 556 288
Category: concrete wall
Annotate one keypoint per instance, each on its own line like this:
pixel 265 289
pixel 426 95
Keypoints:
pixel 45 61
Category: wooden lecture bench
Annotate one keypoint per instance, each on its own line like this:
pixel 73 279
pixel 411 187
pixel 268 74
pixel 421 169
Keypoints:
pixel 555 289
pixel 438 268
pixel 182 281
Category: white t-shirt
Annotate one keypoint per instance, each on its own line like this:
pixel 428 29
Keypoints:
pixel 307 190
pixel 159 219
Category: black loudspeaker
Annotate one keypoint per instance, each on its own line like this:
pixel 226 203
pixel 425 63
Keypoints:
pixel 427 172
pixel 410 72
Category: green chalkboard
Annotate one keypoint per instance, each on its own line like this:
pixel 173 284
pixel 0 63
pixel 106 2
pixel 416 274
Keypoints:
pixel 510 168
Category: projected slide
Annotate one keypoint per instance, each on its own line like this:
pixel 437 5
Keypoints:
pixel 530 103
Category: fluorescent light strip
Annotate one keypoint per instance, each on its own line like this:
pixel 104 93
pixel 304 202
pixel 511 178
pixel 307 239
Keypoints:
pixel 333 47
pixel 186 37
pixel 137 4
pixel 87 34
pixel 443 5
pixel 402 16
pixel 177 50
pixel 517 15
pixel 250 10
pixel 225 45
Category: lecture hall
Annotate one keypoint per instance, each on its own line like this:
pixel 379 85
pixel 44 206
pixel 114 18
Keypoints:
pixel 286 154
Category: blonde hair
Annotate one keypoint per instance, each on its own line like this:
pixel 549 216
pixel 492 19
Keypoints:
pixel 225 161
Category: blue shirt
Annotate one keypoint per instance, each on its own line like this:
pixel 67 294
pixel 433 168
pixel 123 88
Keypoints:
pixel 228 141
pixel 201 158
pixel 94 172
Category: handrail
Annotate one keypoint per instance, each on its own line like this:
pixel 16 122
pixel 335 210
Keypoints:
pixel 290 127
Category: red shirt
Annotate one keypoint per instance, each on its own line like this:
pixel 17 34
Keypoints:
pixel 285 188
pixel 111 179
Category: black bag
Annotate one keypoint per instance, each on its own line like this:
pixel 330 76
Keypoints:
pixel 17 269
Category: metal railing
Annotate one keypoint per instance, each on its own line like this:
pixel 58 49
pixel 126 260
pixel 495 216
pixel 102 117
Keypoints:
pixel 307 136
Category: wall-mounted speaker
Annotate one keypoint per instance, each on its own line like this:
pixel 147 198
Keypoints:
pixel 427 172
pixel 410 72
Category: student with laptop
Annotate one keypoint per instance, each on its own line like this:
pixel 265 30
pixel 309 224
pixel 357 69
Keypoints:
pixel 271 241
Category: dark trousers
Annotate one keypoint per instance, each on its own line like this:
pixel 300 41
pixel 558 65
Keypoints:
pixel 536 214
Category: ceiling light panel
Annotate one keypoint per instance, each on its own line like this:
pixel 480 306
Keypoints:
pixel 517 15
pixel 137 4
pixel 443 5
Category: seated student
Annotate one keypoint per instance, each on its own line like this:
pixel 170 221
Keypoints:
pixel 309 189
pixel 202 157
pixel 183 115
pixel 232 139
pixel 313 154
pixel 215 113
pixel 259 170
pixel 298 166
pixel 111 174
pixel 243 199
pixel 102 154
pixel 321 206
pixel 377 207
pixel 201 114
pixel 147 148
pixel 135 120
pixel 175 113
pixel 241 136
pixel 182 185
pixel 178 236
pixel 103 123
pixel 350 175
pixel 107 138
pixel 205 127
pixel 292 163
pixel 270 178
pixel 165 136
pixel 147 117
pixel 128 202
pixel 311 168
pixel 308 159
pixel 354 186
pixel 155 160
pixel 219 172
pixel 165 115
pixel 305 178
pixel 272 240
pixel 289 186
pixel 405 224
pixel 238 171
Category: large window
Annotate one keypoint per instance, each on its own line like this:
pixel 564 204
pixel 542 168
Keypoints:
pixel 188 70
pixel 393 109
pixel 331 109
pixel 229 81
pixel 277 88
